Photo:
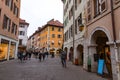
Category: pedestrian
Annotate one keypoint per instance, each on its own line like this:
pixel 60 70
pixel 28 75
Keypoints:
pixel 46 53
pixel 20 55
pixel 63 58
pixel 40 56
pixel 29 55
pixel 43 55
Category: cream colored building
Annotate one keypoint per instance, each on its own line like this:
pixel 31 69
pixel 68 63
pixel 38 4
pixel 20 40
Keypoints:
pixel 101 34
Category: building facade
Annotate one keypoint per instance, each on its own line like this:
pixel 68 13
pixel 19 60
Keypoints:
pixel 74 30
pixel 101 34
pixel 9 23
pixel 23 27
pixel 48 38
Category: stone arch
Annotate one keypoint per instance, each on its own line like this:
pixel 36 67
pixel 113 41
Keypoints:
pixel 80 53
pixel 102 29
pixel 98 49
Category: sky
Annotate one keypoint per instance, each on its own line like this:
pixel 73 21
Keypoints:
pixel 38 12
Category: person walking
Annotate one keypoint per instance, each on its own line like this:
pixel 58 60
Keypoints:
pixel 63 58
pixel 40 56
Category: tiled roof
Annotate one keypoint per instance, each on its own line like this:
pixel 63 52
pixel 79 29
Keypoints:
pixel 21 21
pixel 55 23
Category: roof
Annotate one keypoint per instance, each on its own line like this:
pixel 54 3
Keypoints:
pixel 22 21
pixel 55 23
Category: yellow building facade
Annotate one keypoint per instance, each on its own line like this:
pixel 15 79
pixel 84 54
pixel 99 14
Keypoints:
pixel 51 37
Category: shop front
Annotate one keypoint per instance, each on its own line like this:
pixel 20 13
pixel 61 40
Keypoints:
pixel 99 50
pixel 8 49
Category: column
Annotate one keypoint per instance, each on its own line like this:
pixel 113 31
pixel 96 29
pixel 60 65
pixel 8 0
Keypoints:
pixel 8 54
pixel 114 62
pixel 16 50
pixel 92 51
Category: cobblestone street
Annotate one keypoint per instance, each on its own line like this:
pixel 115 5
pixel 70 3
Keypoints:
pixel 50 69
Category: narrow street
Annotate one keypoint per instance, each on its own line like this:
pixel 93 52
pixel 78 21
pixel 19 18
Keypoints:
pixel 50 69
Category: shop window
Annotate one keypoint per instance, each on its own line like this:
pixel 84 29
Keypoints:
pixel 3 49
pixel 12 50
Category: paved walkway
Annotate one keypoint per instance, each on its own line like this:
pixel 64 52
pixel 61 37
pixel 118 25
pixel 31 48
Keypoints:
pixel 50 69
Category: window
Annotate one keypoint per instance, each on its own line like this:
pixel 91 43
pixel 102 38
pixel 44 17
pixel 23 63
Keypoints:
pixel 52 28
pixel 59 29
pixel 0 11
pixel 9 3
pixel 76 26
pixel 71 30
pixel 75 4
pixel 22 26
pixel 99 7
pixel 58 43
pixel 96 7
pixel 71 13
pixel 89 14
pixel 6 23
pixel 80 19
pixel 21 32
pixel 52 43
pixel 103 5
pixel 53 35
pixel 15 11
pixel 59 36
pixel 20 41
pixel 14 28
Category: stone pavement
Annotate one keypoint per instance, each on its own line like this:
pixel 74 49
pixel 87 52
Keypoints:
pixel 50 69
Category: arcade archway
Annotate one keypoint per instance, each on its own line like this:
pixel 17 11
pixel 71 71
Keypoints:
pixel 102 51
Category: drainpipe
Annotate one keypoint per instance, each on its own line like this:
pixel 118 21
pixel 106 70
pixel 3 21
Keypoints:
pixel 114 36
pixel 73 29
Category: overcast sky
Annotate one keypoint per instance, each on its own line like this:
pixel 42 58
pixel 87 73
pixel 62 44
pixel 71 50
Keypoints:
pixel 38 12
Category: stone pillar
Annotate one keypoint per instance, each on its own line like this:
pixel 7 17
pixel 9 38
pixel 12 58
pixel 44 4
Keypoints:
pixel 114 62
pixel 8 54
pixel 92 51
pixel 16 50
pixel 76 56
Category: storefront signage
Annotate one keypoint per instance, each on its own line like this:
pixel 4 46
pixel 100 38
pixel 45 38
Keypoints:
pixel 100 66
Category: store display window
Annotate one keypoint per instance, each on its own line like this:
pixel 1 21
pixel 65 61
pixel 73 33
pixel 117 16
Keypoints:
pixel 12 50
pixel 3 49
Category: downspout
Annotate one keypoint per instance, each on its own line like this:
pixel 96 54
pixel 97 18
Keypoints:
pixel 73 28
pixel 114 38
